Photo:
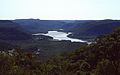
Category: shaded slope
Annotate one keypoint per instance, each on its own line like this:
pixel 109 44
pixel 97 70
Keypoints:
pixel 36 25
pixel 12 31
pixel 94 28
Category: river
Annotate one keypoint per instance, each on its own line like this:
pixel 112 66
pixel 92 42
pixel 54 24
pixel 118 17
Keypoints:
pixel 60 36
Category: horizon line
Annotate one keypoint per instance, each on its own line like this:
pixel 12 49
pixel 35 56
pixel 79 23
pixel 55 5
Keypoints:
pixel 57 19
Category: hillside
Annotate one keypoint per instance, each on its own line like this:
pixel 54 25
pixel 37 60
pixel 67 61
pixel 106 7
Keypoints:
pixel 12 31
pixel 9 32
pixel 99 58
pixel 92 29
pixel 81 29
pixel 14 35
pixel 36 25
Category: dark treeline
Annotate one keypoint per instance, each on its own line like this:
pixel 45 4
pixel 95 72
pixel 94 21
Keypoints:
pixel 99 58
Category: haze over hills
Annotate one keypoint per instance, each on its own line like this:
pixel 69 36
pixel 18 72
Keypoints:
pixel 18 33
pixel 78 28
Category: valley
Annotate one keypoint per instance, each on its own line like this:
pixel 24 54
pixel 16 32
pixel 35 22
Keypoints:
pixel 59 37
pixel 59 47
pixel 52 37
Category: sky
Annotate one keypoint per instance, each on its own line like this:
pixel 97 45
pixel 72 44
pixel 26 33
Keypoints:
pixel 60 9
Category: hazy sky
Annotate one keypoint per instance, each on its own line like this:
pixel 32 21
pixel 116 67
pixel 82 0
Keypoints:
pixel 60 9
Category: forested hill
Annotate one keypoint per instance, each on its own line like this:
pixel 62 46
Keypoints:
pixel 36 25
pixel 81 29
pixel 92 29
pixel 99 58
pixel 12 31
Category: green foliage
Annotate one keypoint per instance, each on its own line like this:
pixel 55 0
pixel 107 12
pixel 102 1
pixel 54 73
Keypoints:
pixel 99 58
